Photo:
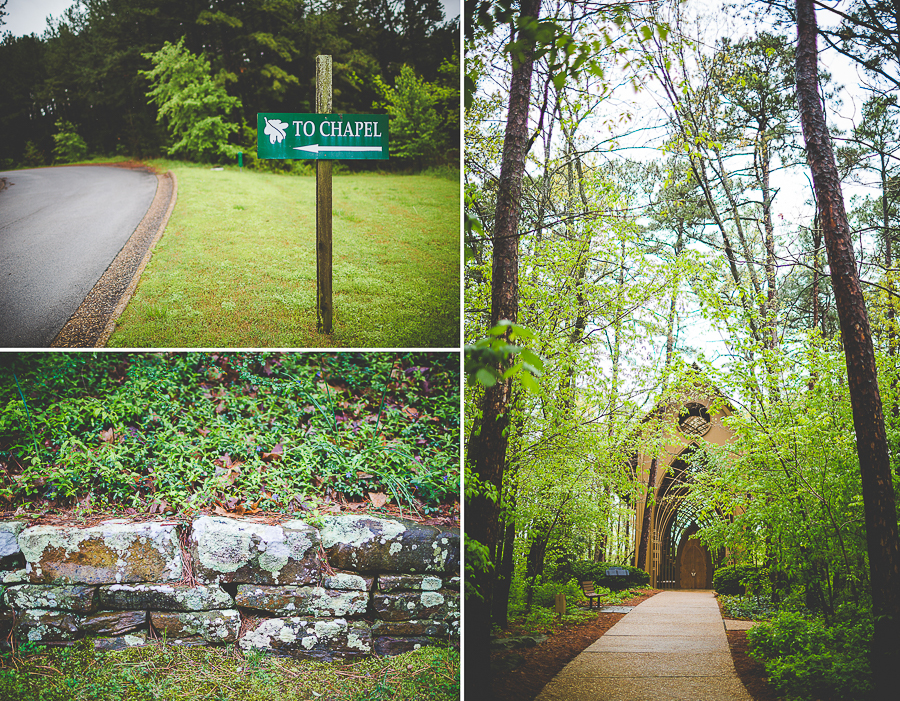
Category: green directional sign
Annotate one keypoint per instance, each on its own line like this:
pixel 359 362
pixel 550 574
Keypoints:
pixel 322 136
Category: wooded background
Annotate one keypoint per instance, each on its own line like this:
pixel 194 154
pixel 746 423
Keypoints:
pixel 86 68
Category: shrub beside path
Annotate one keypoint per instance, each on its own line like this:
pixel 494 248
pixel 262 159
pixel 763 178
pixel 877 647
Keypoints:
pixel 672 646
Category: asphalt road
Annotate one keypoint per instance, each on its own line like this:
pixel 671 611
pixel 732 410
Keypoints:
pixel 60 228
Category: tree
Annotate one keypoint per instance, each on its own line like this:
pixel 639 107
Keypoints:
pixel 876 147
pixel 487 447
pixel 414 121
pixel 191 103
pixel 869 34
pixel 69 146
pixel 21 116
pixel 86 68
pixel 877 484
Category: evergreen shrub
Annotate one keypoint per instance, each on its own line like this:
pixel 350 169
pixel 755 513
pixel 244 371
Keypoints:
pixel 33 156
pixel 733 579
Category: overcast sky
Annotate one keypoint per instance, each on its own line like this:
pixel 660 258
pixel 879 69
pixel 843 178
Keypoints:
pixel 30 16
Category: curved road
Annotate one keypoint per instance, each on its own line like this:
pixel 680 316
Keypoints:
pixel 60 228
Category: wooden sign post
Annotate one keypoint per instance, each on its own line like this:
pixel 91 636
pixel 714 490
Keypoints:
pixel 322 136
pixel 560 604
pixel 323 205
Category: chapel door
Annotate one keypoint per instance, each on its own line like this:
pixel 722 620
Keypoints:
pixel 693 565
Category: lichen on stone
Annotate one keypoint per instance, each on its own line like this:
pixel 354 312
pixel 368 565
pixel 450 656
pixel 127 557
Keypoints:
pixel 9 534
pixel 357 530
pixel 16 576
pixel 431 599
pixel 344 580
pixel 354 641
pixel 222 544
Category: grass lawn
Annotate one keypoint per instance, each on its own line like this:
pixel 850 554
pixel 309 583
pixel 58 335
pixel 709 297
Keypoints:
pixel 180 673
pixel 236 267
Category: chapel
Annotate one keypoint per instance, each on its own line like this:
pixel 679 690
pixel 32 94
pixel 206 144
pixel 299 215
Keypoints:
pixel 666 523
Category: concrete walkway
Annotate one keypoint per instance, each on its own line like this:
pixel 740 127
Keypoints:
pixel 672 646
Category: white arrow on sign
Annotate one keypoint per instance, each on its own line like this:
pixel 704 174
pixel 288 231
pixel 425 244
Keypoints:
pixel 315 148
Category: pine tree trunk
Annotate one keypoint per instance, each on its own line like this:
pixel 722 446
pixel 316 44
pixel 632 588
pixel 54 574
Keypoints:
pixel 871 443
pixel 487 449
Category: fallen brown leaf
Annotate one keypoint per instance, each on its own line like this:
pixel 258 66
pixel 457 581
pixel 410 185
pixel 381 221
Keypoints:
pixel 378 499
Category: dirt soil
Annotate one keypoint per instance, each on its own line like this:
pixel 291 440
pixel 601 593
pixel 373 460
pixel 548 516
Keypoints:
pixel 750 670
pixel 540 664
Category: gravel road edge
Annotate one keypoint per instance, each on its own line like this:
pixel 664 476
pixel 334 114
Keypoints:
pixel 95 319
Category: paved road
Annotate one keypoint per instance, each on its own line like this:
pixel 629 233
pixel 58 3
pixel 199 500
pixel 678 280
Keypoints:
pixel 60 228
pixel 672 647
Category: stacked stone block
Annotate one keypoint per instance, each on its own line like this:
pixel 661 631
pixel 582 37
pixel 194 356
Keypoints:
pixel 356 586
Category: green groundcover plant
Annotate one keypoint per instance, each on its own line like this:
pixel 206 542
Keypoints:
pixel 807 658
pixel 235 432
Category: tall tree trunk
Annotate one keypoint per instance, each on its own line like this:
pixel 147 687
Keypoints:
pixel 506 546
pixel 487 450
pixel 505 571
pixel 764 159
pixel 871 442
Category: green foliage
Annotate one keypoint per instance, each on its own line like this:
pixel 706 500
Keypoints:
pixel 808 660
pixel 414 119
pixel 89 61
pixel 732 578
pixel 543 619
pixel 270 431
pixel 69 146
pixel 789 484
pixel 183 673
pixel 545 594
pixel 478 559
pixel 587 570
pixel 750 607
pixel 33 156
pixel 486 357
pixel 192 104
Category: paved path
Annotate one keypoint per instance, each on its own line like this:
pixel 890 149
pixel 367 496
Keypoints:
pixel 672 646
pixel 59 230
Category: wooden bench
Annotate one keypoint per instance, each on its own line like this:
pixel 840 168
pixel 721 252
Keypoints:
pixel 588 589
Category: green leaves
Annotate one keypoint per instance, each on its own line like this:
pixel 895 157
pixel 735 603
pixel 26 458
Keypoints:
pixel 414 118
pixel 191 103
pixel 486 358
pixel 193 429
pixel 68 145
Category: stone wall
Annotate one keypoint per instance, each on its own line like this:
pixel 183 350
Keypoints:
pixel 353 586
